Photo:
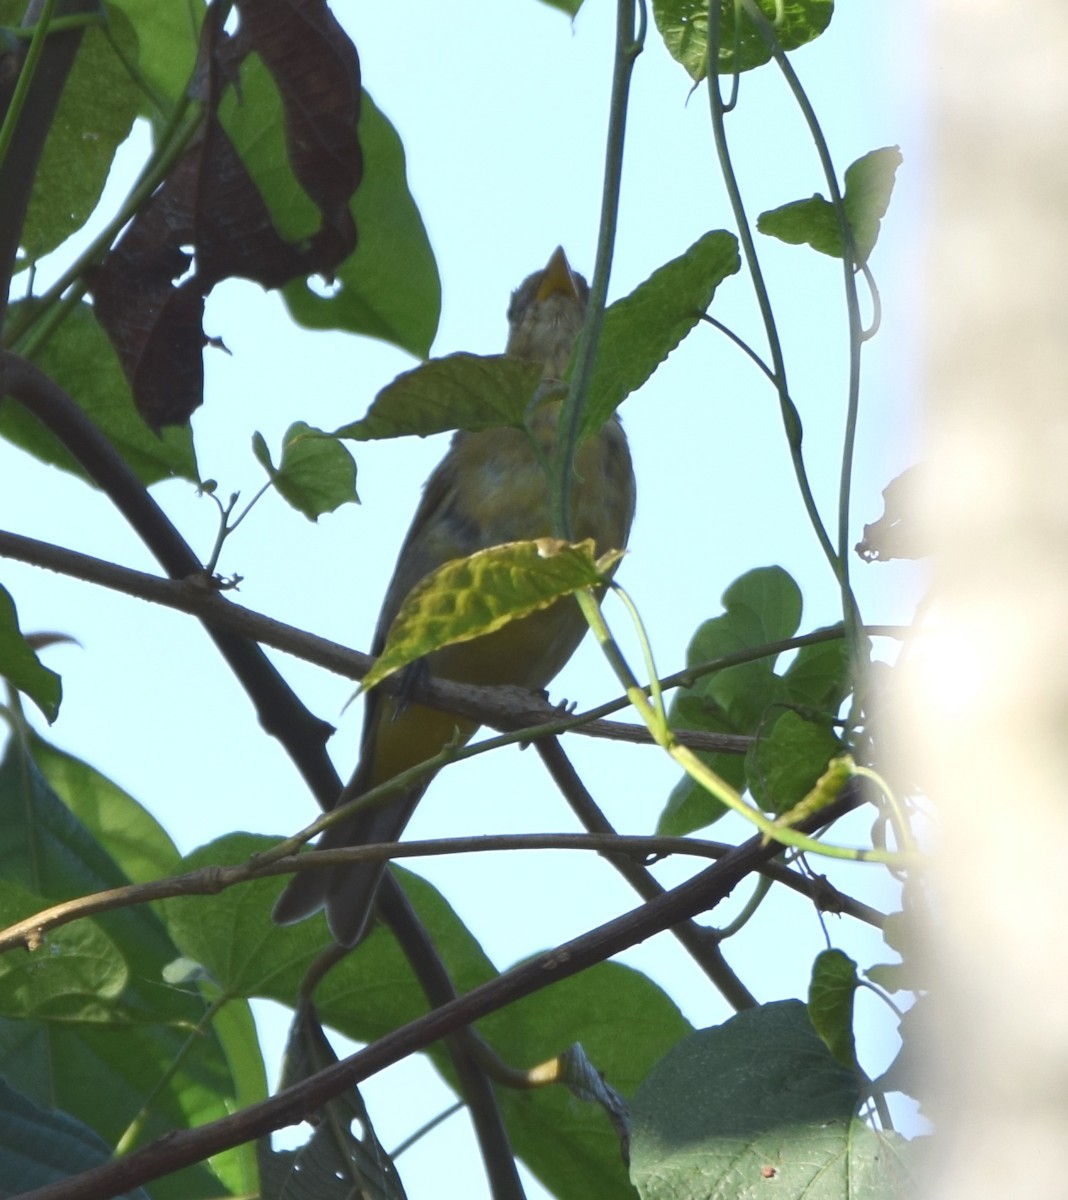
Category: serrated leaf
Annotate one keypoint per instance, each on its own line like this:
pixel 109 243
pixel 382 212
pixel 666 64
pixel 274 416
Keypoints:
pixel 642 329
pixel 831 991
pixel 21 667
pixel 758 1102
pixel 389 287
pixel 869 183
pixel 469 597
pixel 79 357
pixel 459 391
pixel 683 24
pixel 317 474
pixel 784 764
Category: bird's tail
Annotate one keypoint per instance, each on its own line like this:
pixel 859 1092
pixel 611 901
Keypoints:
pixel 347 892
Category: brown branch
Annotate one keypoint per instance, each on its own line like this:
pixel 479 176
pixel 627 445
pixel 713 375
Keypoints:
pixel 184 1147
pixel 465 1046
pixel 280 710
pixel 701 942
pixel 507 708
pixel 209 881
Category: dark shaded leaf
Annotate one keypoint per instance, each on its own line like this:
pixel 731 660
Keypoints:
pixel 343 1157
pixel 64 1003
pixel 211 217
pixel 389 287
pixel 898 533
pixel 104 395
pixel 39 1146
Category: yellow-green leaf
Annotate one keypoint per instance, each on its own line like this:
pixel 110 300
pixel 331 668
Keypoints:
pixel 472 596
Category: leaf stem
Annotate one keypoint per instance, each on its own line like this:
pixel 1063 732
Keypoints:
pixel 628 46
pixel 790 416
pixel 22 85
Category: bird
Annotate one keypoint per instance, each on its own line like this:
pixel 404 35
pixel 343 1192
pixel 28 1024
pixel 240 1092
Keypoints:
pixel 489 489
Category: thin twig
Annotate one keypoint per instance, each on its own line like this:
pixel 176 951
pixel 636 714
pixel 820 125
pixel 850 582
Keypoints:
pixel 209 881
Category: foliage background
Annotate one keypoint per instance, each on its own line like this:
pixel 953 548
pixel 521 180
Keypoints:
pixel 502 118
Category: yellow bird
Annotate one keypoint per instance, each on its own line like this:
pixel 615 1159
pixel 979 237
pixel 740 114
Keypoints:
pixel 488 489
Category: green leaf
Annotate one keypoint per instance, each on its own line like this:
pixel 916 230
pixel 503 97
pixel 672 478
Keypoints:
pixel 755 1103
pixel 819 676
pixel 469 597
pixel 624 1024
pixel 343 1157
pixel 21 667
pixel 762 606
pixel 84 982
pixel 79 357
pixel 683 24
pixel 830 1003
pixel 623 1020
pixel 389 287
pixel 869 183
pixel 317 474
pixel 96 112
pixel 642 329
pixel 252 114
pixel 39 1146
pixel 785 762
pixel 231 935
pixel 167 36
pixel 570 7
pixel 134 838
pixel 92 980
pixel 459 391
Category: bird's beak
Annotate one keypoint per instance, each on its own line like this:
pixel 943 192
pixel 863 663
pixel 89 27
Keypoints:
pixel 558 279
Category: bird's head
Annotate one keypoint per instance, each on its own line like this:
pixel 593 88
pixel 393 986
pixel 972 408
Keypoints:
pixel 546 313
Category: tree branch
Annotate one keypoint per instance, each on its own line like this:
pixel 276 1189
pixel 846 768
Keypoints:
pixel 701 943
pixel 183 1147
pixel 506 708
